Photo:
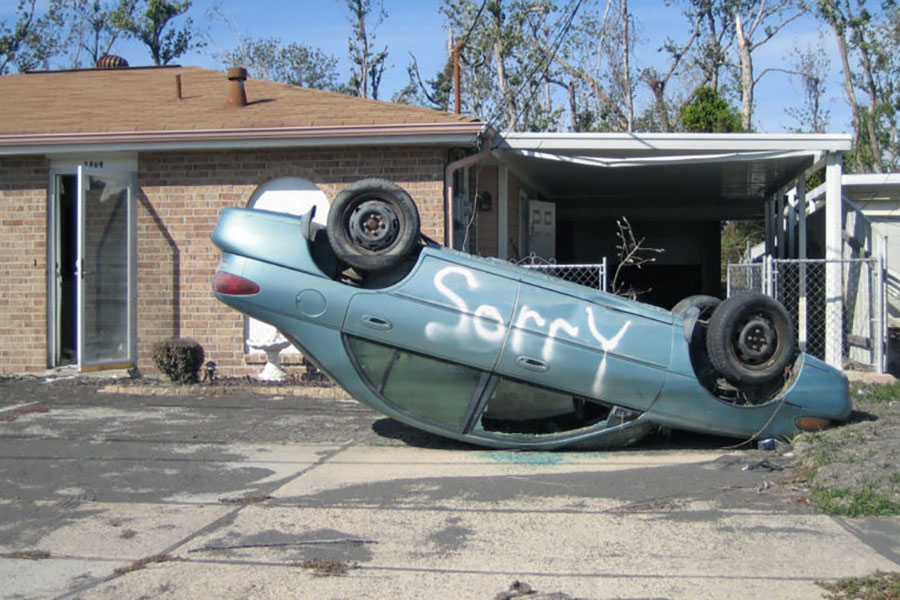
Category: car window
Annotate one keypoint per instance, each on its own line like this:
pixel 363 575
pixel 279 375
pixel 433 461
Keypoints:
pixel 515 407
pixel 426 388
pixel 371 360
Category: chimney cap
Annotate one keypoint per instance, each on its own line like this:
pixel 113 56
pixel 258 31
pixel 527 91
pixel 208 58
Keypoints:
pixel 237 96
pixel 237 74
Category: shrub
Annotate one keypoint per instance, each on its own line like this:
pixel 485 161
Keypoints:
pixel 179 358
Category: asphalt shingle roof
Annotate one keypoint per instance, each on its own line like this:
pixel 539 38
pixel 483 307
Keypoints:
pixel 144 100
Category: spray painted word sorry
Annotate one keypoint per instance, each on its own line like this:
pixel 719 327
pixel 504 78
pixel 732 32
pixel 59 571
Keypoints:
pixel 485 323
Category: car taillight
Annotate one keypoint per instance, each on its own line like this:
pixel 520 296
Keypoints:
pixel 812 423
pixel 228 283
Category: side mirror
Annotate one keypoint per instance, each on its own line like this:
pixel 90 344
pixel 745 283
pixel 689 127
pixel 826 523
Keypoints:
pixel 307 228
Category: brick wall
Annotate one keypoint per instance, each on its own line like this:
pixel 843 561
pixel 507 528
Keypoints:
pixel 180 198
pixel 23 247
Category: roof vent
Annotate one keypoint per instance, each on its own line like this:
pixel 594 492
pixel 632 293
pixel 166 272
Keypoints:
pixel 111 61
pixel 237 97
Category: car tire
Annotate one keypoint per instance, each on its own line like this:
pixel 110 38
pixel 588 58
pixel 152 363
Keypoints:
pixel 750 339
pixel 373 225
pixel 706 304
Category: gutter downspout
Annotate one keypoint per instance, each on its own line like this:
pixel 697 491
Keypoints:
pixel 486 148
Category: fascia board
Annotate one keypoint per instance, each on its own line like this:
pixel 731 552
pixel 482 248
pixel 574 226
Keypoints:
pixel 686 142
pixel 443 134
pixel 852 179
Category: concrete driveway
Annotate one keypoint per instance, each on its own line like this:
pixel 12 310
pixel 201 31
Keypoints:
pixel 280 496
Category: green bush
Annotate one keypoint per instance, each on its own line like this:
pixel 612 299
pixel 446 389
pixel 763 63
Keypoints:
pixel 179 358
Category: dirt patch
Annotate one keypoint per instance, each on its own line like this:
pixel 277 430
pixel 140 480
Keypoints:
pixel 25 388
pixel 854 469
pixel 23 410
pixel 878 586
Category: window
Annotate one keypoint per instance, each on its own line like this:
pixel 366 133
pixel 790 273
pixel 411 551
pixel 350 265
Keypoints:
pixel 426 388
pixel 520 408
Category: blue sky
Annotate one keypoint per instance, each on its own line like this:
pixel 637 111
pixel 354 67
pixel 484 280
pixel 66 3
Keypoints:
pixel 417 27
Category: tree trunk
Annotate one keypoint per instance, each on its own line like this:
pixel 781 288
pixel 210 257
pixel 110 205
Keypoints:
pixel 744 50
pixel 872 92
pixel 573 107
pixel 626 66
pixel 713 74
pixel 512 116
pixel 658 89
pixel 848 81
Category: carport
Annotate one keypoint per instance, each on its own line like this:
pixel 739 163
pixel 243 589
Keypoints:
pixel 676 190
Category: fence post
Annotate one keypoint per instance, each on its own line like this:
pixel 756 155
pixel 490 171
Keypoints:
pixel 603 277
pixel 802 333
pixel 834 299
pixel 727 281
pixel 877 331
pixel 769 276
pixel 802 315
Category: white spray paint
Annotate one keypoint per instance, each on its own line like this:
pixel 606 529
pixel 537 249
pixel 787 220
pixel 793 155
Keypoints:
pixel 487 324
pixel 555 326
pixel 607 344
pixel 525 315
pixel 462 330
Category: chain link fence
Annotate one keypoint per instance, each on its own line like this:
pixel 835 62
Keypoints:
pixel 589 275
pixel 799 284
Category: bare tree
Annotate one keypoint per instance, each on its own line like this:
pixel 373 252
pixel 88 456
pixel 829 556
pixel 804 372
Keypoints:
pixel 596 69
pixel 811 67
pixel 851 24
pixel 30 40
pixel 368 64
pixel 297 64
pixel 153 22
pixel 658 81
pixel 632 255
pixel 756 22
pixel 95 27
pixel 716 37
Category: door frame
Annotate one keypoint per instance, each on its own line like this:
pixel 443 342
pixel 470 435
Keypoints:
pixel 79 167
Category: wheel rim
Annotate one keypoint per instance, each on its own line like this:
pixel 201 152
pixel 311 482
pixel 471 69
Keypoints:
pixel 757 341
pixel 374 225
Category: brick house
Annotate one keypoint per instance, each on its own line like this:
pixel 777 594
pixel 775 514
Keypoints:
pixel 112 180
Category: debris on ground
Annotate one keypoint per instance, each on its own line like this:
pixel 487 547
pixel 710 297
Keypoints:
pixel 326 567
pixel 244 500
pixel 141 563
pixel 28 554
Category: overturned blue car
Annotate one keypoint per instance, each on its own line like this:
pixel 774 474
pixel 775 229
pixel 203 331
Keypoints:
pixel 486 352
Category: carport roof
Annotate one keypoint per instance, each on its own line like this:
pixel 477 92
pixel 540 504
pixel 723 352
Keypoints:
pixel 702 175
pixel 872 187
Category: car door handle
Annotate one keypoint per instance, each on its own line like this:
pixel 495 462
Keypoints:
pixel 376 322
pixel 532 364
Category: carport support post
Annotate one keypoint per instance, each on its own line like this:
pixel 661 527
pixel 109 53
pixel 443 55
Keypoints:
pixel 792 224
pixel 802 334
pixel 834 318
pixel 503 212
pixel 779 225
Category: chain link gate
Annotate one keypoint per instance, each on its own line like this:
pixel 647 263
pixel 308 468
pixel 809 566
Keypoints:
pixel 589 275
pixel 799 284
